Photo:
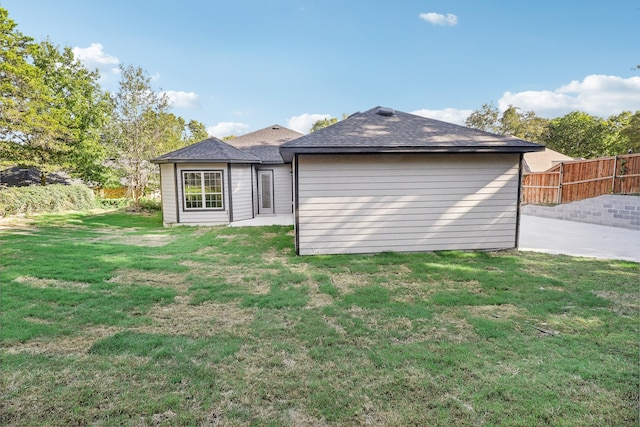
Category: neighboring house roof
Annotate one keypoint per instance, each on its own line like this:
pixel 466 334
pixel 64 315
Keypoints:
pixel 209 150
pixel 22 177
pixel 543 160
pixel 264 143
pixel 383 130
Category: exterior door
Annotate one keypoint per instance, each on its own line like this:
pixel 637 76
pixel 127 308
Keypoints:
pixel 265 192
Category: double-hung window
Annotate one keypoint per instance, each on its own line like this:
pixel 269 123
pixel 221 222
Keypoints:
pixel 202 190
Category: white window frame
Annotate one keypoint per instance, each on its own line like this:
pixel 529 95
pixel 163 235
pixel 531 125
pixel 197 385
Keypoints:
pixel 203 194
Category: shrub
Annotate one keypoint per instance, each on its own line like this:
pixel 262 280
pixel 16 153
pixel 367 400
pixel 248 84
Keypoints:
pixel 150 204
pixel 50 198
pixel 113 203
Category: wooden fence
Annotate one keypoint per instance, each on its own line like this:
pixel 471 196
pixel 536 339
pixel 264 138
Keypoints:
pixel 582 179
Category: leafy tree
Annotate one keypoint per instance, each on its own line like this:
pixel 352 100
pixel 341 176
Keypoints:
pixel 51 107
pixel 625 133
pixel 139 130
pixel 485 118
pixel 30 120
pixel 632 133
pixel 577 134
pixel 196 131
pixel 323 123
pixel 82 109
pixel 512 122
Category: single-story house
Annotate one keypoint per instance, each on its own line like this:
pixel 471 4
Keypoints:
pixel 214 182
pixel 384 180
pixel 381 180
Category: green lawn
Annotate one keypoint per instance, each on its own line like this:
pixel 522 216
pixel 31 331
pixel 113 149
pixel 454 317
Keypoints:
pixel 110 319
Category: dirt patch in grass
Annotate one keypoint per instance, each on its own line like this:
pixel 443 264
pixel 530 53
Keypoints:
pixel 36 282
pixel 503 311
pixel 149 278
pixel 203 320
pixel 625 304
pixel 17 225
pixel 72 345
pixel 316 298
pixel 147 240
pixel 347 282
pixel 448 325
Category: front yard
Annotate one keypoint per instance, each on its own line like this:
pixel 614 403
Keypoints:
pixel 110 319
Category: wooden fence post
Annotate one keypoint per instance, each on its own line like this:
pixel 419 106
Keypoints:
pixel 560 183
pixel 615 172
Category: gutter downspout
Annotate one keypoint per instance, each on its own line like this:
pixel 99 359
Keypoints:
pixel 175 175
pixel 230 189
pixel 517 242
pixel 296 215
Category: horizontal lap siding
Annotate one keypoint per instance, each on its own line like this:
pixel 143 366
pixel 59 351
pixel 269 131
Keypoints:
pixel 373 203
pixel 204 217
pixel 241 183
pixel 282 190
pixel 168 191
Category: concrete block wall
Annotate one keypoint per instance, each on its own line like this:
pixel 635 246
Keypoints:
pixel 611 210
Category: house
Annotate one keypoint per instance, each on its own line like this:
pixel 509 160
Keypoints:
pixel 381 180
pixel 541 161
pixel 384 180
pixel 214 182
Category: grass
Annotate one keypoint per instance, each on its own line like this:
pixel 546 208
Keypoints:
pixel 110 319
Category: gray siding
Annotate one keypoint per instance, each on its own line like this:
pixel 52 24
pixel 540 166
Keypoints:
pixel 282 191
pixel 417 202
pixel 168 191
pixel 204 217
pixel 241 183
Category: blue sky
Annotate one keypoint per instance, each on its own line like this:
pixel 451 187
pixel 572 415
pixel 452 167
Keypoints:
pixel 241 65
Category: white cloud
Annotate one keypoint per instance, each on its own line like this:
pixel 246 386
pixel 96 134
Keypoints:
pixel 450 115
pixel 94 57
pixel 449 20
pixel 223 129
pixel 181 99
pixel 597 94
pixel 304 122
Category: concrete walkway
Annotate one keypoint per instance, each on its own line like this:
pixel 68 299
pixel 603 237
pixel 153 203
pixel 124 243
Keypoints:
pixel 555 236
pixel 262 220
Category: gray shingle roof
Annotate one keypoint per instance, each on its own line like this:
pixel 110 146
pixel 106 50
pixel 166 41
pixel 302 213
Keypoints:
pixel 382 130
pixel 209 150
pixel 264 143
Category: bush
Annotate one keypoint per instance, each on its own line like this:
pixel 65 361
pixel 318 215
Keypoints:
pixel 150 204
pixel 113 203
pixel 50 198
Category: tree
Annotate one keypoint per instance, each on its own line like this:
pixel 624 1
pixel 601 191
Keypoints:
pixel 577 134
pixel 196 131
pixel 29 119
pixel 632 133
pixel 82 107
pixel 485 118
pixel 323 123
pixel 51 107
pixel 139 131
pixel 512 122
